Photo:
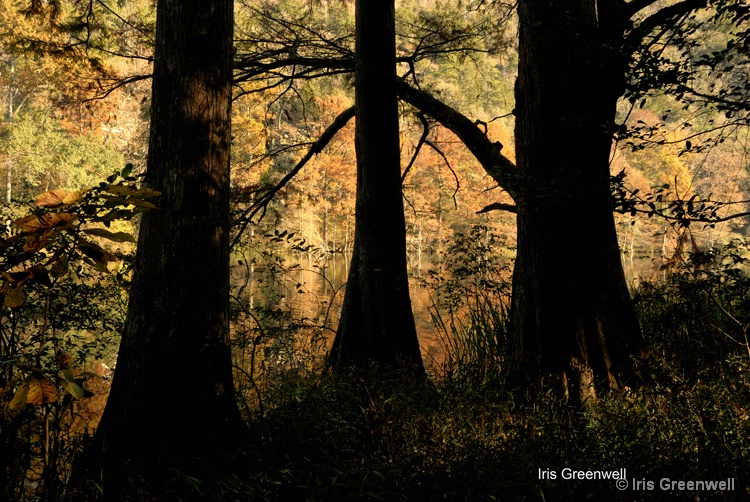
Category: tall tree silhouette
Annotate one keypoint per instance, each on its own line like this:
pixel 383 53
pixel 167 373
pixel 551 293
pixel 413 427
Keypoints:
pixel 572 318
pixel 377 324
pixel 573 322
pixel 172 398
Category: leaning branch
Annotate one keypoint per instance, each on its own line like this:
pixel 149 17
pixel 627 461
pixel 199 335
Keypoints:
pixel 662 17
pixel 633 7
pixel 247 68
pixel 260 204
pixel 502 169
pixel 498 206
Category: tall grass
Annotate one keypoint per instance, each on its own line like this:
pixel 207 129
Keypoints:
pixel 474 340
pixel 469 311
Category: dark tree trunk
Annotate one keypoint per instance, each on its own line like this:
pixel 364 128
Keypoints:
pixel 172 397
pixel 377 324
pixel 572 318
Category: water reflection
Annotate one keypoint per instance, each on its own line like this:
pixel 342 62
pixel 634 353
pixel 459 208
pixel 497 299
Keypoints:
pixel 301 299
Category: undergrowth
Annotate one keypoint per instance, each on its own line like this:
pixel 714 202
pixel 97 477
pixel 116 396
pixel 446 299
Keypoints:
pixel 463 437
pixel 347 440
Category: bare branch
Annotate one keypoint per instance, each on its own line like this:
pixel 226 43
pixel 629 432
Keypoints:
pixel 117 85
pixel 450 168
pixel 418 148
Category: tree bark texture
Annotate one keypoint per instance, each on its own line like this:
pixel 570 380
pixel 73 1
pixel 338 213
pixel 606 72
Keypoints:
pixel 377 323
pixel 173 395
pixel 572 318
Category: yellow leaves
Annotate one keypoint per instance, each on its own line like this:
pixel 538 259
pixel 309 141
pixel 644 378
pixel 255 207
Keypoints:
pixel 125 201
pixel 58 225
pixel 98 256
pixel 12 292
pixel 63 359
pixel 114 195
pixel 38 222
pixel 53 198
pixel 57 198
pixel 126 195
pixel 128 191
pixel 34 242
pixel 59 267
pixel 69 384
pixel 112 236
pixel 41 252
pixel 41 390
pixel 19 399
pixel 36 389
pixel 74 197
pixel 14 297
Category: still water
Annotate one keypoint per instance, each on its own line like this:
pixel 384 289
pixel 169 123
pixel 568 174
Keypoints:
pixel 302 299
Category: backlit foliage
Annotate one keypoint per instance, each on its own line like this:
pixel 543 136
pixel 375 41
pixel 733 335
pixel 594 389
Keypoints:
pixel 680 171
pixel 64 272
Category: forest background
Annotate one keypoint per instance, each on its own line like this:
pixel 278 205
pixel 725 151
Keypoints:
pixel 78 105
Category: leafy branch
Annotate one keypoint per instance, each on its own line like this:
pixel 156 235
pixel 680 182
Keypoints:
pixel 668 204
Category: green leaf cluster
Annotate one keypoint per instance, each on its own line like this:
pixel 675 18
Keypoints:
pixel 44 155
